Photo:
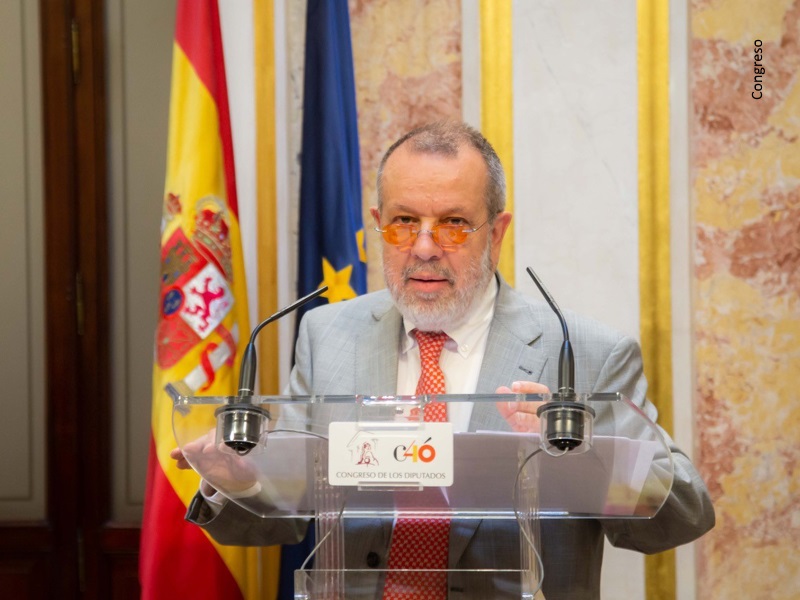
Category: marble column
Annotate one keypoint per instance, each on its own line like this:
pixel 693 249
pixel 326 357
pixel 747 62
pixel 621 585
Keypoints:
pixel 745 172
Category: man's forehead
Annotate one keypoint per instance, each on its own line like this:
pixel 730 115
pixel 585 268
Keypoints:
pixel 434 206
pixel 408 152
pixel 416 171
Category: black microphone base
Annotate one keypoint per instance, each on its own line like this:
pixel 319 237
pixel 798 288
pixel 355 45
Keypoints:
pixel 566 425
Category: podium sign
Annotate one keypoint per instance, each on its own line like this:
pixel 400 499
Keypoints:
pixel 380 457
pixel 344 459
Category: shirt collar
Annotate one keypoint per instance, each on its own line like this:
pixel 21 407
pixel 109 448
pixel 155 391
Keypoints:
pixel 464 337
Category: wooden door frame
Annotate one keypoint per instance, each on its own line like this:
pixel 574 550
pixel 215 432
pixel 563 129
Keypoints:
pixel 76 551
pixel 40 559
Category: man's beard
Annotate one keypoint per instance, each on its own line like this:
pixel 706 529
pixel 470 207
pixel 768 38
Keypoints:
pixel 438 311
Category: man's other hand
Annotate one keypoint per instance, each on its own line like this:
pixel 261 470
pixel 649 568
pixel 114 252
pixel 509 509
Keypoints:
pixel 179 459
pixel 223 470
pixel 521 415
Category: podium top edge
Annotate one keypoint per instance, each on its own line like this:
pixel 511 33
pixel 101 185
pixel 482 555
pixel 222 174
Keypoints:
pixel 184 399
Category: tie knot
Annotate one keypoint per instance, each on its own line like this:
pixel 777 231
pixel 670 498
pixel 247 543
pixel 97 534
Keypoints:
pixel 430 345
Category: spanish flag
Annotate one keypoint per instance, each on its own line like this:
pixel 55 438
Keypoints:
pixel 203 321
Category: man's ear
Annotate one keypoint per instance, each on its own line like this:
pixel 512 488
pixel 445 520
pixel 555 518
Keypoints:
pixel 499 227
pixel 376 215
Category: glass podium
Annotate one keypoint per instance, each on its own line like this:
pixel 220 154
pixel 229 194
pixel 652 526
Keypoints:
pixel 348 462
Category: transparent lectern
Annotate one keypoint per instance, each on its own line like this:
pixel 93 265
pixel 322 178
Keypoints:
pixel 354 463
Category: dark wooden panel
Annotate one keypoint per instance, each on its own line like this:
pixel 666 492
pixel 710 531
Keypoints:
pixel 120 552
pixel 24 577
pixel 26 551
pixel 14 536
pixel 124 575
pixel 110 552
pixel 62 358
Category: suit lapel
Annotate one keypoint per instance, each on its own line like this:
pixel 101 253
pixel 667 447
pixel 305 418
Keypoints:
pixel 511 354
pixel 376 354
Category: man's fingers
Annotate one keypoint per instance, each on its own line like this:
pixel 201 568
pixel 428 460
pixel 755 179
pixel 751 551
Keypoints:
pixel 523 387
pixel 521 415
pixel 176 454
pixel 529 387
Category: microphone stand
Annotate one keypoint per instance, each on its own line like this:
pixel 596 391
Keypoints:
pixel 241 423
pixel 564 420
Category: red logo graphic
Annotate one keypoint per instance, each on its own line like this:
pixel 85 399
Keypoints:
pixel 366 456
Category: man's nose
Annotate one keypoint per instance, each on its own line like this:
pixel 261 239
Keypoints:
pixel 425 248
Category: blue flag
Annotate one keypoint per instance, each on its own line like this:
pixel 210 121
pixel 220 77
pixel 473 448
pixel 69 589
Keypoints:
pixel 331 228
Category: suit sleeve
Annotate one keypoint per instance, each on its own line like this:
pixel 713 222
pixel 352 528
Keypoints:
pixel 233 524
pixel 687 513
pixel 236 526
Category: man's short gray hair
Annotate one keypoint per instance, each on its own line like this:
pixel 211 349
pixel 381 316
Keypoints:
pixel 446 138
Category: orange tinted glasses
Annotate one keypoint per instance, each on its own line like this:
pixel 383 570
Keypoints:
pixel 445 235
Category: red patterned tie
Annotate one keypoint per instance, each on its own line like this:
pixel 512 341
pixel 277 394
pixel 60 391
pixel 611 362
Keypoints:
pixel 422 543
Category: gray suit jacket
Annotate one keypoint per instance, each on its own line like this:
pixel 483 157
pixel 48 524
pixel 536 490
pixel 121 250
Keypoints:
pixel 352 347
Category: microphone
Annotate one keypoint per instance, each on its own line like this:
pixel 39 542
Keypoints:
pixel 247 373
pixel 564 419
pixel 241 423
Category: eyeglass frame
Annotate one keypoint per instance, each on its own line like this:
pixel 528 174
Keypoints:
pixel 434 233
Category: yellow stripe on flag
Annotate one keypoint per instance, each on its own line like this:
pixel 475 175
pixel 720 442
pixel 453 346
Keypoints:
pixel 266 195
pixel 194 155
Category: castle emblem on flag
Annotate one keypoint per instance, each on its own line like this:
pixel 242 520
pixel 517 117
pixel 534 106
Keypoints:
pixel 196 278
pixel 211 234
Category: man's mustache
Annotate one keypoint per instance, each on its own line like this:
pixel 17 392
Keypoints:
pixel 435 269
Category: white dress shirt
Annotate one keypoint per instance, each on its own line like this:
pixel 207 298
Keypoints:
pixel 461 361
pixel 461 358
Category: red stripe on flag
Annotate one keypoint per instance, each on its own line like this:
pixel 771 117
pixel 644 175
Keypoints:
pixel 198 33
pixel 176 559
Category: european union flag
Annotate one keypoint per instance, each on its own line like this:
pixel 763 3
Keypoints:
pixel 331 229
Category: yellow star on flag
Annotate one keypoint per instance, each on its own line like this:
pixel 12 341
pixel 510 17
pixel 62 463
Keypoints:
pixel 338 282
pixel 362 252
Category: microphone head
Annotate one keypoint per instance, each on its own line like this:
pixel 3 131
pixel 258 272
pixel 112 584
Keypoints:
pixel 566 425
pixel 240 426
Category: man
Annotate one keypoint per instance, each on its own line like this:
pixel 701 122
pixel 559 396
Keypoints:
pixel 441 195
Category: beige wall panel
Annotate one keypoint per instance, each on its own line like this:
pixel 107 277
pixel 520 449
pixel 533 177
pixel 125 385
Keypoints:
pixel 139 49
pixel 22 345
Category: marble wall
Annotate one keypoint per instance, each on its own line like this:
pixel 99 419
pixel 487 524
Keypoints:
pixel 576 169
pixel 407 58
pixel 745 171
pixel 575 155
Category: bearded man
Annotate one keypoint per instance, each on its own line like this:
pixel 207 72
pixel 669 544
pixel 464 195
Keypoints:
pixel 440 212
